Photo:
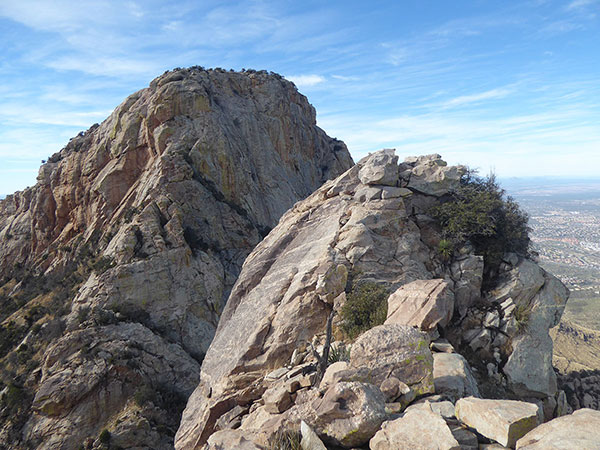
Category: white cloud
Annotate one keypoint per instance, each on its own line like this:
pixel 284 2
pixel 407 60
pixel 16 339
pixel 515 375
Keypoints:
pixel 579 4
pixel 303 81
pixel 476 98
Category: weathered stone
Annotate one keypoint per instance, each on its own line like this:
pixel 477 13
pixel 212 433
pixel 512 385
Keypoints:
pixel 349 414
pixel 529 367
pixel 277 399
pixel 467 273
pixel 230 439
pixel 580 430
pixel 452 376
pixel 334 373
pixel 422 303
pixel 504 421
pixel 310 440
pixel 380 168
pixel 417 429
pixel 432 177
pixel 402 352
pixel 442 345
pixel 466 439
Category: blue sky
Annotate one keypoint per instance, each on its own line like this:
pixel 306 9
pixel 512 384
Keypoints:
pixel 509 86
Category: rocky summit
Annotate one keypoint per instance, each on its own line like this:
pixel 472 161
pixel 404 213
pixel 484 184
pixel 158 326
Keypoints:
pixel 284 365
pixel 117 264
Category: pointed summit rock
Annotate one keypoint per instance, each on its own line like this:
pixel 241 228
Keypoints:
pixel 117 264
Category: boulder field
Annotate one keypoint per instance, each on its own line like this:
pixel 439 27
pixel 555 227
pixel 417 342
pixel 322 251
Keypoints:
pixel 453 365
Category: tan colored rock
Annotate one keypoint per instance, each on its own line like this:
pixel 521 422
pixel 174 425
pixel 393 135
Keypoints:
pixel 504 421
pixel 452 376
pixel 402 352
pixel 422 303
pixel 418 429
pixel 380 168
pixel 430 175
pixel 310 440
pixel 580 430
pixel 335 372
pixel 230 439
pixel 349 414
pixel 148 218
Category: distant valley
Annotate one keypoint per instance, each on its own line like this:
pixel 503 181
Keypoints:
pixel 565 222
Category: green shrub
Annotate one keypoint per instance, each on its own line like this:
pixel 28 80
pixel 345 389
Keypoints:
pixel 337 353
pixel 479 212
pixel 104 437
pixel 365 307
pixel 446 249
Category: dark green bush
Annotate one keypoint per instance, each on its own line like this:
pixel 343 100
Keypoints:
pixel 479 212
pixel 365 307
pixel 104 437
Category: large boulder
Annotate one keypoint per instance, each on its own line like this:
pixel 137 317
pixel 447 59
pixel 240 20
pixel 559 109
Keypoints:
pixel 580 430
pixel 349 414
pixel 504 421
pixel 529 367
pixel 431 175
pixel 417 429
pixel 452 376
pixel 422 303
pixel 397 351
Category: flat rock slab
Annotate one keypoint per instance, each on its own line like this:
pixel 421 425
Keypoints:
pixel 418 429
pixel 580 430
pixel 422 303
pixel 504 421
pixel 452 376
pixel 402 352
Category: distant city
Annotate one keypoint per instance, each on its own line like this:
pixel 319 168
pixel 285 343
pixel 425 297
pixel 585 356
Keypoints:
pixel 565 222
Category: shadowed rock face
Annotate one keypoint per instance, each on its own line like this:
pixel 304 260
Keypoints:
pixel 146 218
pixel 371 224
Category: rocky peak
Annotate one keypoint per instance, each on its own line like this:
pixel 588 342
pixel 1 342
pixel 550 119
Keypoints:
pixel 372 226
pixel 145 220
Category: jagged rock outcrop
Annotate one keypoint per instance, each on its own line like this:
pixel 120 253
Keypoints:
pixel 145 218
pixel 372 225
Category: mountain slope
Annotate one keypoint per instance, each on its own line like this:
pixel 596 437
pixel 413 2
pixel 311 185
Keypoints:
pixel 117 263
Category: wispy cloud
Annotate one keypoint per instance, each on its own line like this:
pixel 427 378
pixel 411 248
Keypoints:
pixel 477 98
pixel 304 81
pixel 578 4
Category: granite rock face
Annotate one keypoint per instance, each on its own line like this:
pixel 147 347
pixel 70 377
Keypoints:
pixel 504 421
pixel 147 218
pixel 578 430
pixel 365 227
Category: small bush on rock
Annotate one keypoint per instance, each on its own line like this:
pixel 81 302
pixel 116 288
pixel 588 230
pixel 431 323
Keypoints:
pixel 479 212
pixel 365 307
pixel 285 440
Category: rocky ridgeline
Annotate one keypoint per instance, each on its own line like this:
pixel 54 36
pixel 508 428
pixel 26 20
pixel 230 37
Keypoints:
pixel 117 264
pixel 419 380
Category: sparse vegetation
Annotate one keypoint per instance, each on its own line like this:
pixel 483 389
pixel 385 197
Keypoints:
pixel 104 437
pixel 446 249
pixel 522 314
pixel 285 440
pixel 365 307
pixel 480 213
pixel 339 352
